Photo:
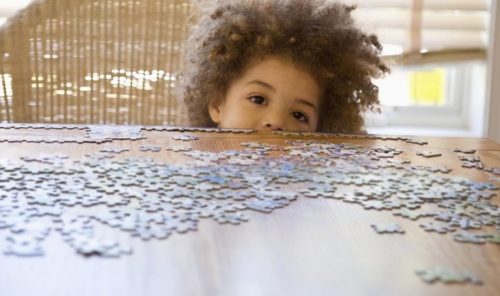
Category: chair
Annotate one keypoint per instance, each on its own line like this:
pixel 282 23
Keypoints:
pixel 93 62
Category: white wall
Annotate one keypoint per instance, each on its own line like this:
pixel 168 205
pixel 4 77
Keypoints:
pixel 493 109
pixel 11 7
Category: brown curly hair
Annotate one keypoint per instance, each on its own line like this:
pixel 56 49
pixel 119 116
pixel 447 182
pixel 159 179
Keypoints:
pixel 317 35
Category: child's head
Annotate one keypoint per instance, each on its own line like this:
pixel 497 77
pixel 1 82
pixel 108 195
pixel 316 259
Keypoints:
pixel 291 65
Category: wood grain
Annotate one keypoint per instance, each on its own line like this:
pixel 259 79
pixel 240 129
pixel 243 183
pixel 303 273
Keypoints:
pixel 311 247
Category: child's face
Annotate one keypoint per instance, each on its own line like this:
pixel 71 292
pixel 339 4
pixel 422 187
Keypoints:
pixel 271 94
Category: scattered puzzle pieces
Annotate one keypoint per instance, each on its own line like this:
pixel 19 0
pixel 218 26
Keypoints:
pixel 154 200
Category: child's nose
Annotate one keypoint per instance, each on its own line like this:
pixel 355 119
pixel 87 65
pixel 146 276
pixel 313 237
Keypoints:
pixel 272 128
pixel 273 122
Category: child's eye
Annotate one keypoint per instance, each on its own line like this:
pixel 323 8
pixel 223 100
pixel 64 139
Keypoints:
pixel 300 116
pixel 259 100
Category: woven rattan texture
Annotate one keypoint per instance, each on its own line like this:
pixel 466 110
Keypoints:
pixel 93 61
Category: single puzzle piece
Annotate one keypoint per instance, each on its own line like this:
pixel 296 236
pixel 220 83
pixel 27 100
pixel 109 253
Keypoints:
pixel 494 238
pixel 266 205
pixel 114 149
pixel 231 218
pixel 412 215
pixel 177 148
pixel 374 204
pixel 469 237
pixel 27 249
pixel 415 141
pixel 444 216
pixel 104 133
pixel 492 170
pixel 447 276
pixel 382 228
pixel 465 223
pixel 148 231
pixel 185 138
pixel 149 148
pixel 181 226
pixel 428 154
pixel 472 165
pixel 441 228
pixel 325 191
pixel 469 158
pixel 464 150
pixel 25 242
pixel 91 246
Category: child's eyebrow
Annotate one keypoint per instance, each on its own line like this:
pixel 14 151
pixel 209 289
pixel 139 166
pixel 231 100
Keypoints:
pixel 262 83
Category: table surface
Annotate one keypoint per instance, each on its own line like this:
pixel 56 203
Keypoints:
pixel 314 246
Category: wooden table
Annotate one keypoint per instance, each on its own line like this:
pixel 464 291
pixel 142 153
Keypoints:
pixel 311 247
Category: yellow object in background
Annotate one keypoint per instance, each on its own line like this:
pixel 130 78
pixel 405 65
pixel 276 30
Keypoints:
pixel 428 87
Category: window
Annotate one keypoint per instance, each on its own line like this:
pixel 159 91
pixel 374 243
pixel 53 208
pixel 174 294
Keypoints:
pixel 445 95
pixel 437 52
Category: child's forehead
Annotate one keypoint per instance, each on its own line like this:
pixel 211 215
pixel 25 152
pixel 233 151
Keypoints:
pixel 268 64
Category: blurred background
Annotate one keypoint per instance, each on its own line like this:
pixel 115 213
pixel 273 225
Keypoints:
pixel 115 62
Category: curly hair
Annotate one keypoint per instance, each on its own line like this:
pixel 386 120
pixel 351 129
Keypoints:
pixel 317 35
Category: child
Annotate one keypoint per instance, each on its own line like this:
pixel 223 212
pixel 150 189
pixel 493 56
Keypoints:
pixel 296 65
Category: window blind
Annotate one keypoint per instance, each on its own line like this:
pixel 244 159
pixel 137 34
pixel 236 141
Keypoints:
pixel 418 31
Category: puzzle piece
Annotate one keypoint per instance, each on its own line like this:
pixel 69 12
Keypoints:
pixel 98 132
pixel 428 154
pixel 437 227
pixel 28 248
pixel 465 223
pixel 464 150
pixel 149 148
pixel 447 276
pixel 182 226
pixel 178 148
pixel 185 138
pixel 266 205
pixel 91 246
pixel 319 191
pixel 493 170
pixel 231 218
pixel 469 237
pixel 415 141
pixel 148 231
pixel 469 158
pixel 113 149
pixel 494 238
pixel 388 228
pixel 412 215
